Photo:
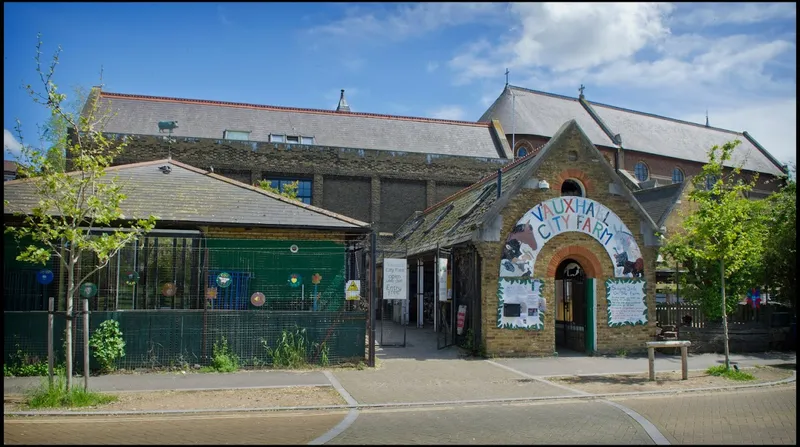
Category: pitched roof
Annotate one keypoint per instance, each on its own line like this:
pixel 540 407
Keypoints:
pixel 191 195
pixel 540 113
pixel 659 201
pixel 139 115
pixel 524 111
pixel 457 218
pixel 9 166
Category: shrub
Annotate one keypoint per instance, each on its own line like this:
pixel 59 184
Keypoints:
pixel 224 360
pixel 732 374
pixel 23 365
pixel 107 344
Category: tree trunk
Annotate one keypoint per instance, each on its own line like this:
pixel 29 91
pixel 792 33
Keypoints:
pixel 724 315
pixel 68 332
pixel 86 344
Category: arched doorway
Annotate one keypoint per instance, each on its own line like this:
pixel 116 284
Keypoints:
pixel 570 306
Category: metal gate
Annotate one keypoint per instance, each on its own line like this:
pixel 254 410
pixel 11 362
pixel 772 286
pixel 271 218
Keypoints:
pixel 444 311
pixel 571 328
pixel 392 318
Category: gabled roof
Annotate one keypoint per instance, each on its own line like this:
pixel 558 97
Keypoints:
pixel 659 201
pixel 468 214
pixel 190 195
pixel 524 111
pixel 139 115
pixel 539 113
pixel 9 166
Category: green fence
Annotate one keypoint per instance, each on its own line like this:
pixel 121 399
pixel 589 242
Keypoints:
pixel 157 339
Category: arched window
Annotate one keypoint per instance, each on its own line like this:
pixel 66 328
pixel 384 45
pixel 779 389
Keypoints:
pixel 711 179
pixel 641 172
pixel 522 151
pixel 572 187
pixel 677 175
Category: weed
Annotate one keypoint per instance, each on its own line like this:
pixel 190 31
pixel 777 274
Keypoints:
pixel 729 373
pixel 291 350
pixel 622 353
pixel 223 360
pixel 23 365
pixel 107 345
pixel 360 366
pixel 56 395
pixel 323 353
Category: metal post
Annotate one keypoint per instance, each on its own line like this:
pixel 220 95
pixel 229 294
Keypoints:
pixel 50 356
pixel 372 280
pixel 86 344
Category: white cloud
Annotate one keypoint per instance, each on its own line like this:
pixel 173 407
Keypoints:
pixel 773 124
pixel 710 14
pixel 448 113
pixel 431 67
pixel 11 145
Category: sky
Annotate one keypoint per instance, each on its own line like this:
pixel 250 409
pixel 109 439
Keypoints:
pixel 737 61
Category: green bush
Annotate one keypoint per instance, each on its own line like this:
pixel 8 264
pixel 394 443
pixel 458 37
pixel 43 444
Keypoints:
pixel 23 365
pixel 57 396
pixel 224 360
pixel 729 373
pixel 107 344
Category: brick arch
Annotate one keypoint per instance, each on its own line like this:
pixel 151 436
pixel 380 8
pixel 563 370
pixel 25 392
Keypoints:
pixel 591 265
pixel 576 174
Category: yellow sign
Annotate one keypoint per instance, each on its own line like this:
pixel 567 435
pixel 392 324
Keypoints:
pixel 352 290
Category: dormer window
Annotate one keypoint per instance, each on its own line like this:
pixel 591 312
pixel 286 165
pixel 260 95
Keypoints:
pixel 240 135
pixel 306 140
pixel 273 138
pixel 292 139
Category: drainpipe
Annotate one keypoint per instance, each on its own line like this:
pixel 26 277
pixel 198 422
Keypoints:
pixel 499 181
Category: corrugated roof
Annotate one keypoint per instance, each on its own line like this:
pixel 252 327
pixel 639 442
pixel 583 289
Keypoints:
pixel 539 113
pixel 680 139
pixel 191 195
pixel 137 114
pixel 659 201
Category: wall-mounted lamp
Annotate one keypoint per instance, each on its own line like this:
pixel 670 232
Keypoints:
pixel 543 184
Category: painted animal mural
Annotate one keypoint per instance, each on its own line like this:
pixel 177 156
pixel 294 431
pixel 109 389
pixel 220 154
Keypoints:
pixel 635 268
pixel 518 250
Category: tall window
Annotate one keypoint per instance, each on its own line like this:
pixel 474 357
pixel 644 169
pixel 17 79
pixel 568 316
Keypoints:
pixel 303 187
pixel 521 152
pixel 710 181
pixel 641 172
pixel 677 175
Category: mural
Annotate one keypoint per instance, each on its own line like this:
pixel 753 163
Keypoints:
pixel 560 215
pixel 520 304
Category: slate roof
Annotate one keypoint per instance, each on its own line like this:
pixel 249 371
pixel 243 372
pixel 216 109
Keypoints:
pixel 467 214
pixel 659 201
pixel 139 115
pixel 540 113
pixel 191 195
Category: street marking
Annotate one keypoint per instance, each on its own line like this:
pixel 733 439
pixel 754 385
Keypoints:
pixel 338 429
pixel 648 426
pixel 538 379
pixel 343 392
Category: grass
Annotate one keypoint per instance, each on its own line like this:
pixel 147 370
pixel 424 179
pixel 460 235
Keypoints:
pixel 56 396
pixel 729 373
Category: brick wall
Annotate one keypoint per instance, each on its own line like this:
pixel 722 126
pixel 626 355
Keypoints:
pixel 272 234
pixel 520 342
pixel 338 193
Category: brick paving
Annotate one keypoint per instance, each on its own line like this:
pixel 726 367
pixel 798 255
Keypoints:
pixel 562 423
pixel 758 416
pixel 250 428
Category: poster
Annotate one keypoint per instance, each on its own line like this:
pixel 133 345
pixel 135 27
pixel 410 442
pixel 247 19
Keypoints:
pixel 441 272
pixel 563 214
pixel 395 279
pixel 352 290
pixel 520 304
pixel 626 300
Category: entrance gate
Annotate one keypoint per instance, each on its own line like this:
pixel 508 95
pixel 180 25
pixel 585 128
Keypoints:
pixel 392 318
pixel 445 314
pixel 571 306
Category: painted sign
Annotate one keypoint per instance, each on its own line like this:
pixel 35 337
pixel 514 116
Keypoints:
pixel 44 277
pixel 295 280
pixel 352 290
pixel 88 290
pixel 626 300
pixel 563 214
pixel 395 278
pixel 520 304
pixel 224 280
pixel 441 274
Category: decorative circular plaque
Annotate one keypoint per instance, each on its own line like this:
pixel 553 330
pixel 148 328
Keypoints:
pixel 316 278
pixel 88 290
pixel 168 289
pixel 211 293
pixel 257 299
pixel 44 277
pixel 294 248
pixel 224 280
pixel 131 278
pixel 295 280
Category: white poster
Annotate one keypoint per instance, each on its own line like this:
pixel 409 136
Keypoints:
pixel 562 214
pixel 626 299
pixel 395 279
pixel 520 304
pixel 442 277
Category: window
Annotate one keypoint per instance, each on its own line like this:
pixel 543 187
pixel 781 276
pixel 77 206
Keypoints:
pixel 292 139
pixel 306 140
pixel 303 187
pixel 571 187
pixel 277 138
pixel 236 135
pixel 641 171
pixel 677 175
pixel 521 152
pixel 711 179
pixel 409 230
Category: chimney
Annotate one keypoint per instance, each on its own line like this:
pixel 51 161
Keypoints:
pixel 342 107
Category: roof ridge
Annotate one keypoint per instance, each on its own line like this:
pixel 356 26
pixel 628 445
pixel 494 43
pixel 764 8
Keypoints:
pixel 669 185
pixel 290 109
pixel 653 115
pixel 539 92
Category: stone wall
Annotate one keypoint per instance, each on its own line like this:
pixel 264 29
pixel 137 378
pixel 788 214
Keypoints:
pixel 579 246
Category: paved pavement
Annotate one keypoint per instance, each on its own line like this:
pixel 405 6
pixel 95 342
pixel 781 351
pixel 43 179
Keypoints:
pixel 757 416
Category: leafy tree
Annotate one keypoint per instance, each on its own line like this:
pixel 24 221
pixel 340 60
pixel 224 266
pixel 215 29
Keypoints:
pixel 289 189
pixel 71 204
pixel 56 129
pixel 780 257
pixel 721 243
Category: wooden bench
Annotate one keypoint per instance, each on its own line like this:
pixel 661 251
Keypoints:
pixel 651 355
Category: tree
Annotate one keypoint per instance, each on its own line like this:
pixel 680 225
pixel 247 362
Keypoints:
pixel 780 256
pixel 56 130
pixel 722 242
pixel 289 189
pixel 71 205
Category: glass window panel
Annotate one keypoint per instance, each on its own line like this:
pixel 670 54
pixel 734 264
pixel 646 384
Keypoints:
pixel 677 175
pixel 292 139
pixel 307 140
pixel 277 138
pixel 640 170
pixel 237 135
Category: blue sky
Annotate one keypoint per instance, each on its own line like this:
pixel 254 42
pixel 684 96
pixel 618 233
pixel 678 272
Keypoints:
pixel 422 59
